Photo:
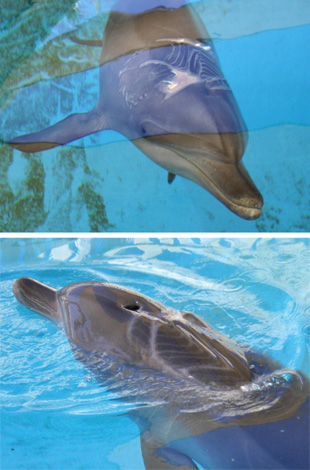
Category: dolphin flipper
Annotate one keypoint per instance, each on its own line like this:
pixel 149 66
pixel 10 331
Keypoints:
pixel 69 129
pixel 171 177
pixel 270 445
pixel 159 456
pixel 87 42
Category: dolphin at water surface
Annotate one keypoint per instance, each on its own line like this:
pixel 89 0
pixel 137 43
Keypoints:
pixel 190 383
pixel 162 87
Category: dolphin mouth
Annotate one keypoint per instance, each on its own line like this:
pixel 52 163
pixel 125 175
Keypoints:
pixel 231 184
pixel 248 213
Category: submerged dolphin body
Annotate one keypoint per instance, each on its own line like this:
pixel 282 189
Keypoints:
pixel 189 381
pixel 162 87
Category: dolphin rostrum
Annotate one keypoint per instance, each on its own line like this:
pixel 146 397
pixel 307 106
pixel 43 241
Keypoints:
pixel 162 87
pixel 189 382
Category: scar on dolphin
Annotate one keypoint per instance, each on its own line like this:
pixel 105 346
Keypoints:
pixel 162 87
pixel 188 380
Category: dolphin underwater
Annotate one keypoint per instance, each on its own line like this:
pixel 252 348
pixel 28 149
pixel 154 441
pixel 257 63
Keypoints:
pixel 193 386
pixel 162 87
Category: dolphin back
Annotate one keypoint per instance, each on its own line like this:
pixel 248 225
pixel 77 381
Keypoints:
pixel 38 297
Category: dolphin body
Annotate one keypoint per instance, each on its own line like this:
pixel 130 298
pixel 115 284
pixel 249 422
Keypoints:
pixel 162 87
pixel 193 386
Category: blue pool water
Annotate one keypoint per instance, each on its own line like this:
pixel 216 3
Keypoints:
pixel 103 182
pixel 55 415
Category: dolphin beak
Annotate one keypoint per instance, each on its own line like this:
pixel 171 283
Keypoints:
pixel 36 296
pixel 232 185
pixel 250 201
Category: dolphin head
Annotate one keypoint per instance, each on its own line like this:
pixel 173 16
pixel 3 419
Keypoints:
pixel 104 318
pixel 99 316
pixel 183 115
pixel 107 318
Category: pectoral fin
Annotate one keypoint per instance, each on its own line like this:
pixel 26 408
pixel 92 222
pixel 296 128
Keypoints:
pixel 171 177
pixel 87 42
pixel 69 129
pixel 158 456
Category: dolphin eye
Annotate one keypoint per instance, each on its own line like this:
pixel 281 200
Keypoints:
pixel 132 307
pixel 149 128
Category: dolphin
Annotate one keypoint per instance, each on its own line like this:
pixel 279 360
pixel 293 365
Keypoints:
pixel 162 87
pixel 192 385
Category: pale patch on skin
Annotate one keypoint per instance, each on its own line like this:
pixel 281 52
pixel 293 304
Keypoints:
pixel 181 80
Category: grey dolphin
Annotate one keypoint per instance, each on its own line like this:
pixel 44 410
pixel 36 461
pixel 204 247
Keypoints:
pixel 162 87
pixel 199 381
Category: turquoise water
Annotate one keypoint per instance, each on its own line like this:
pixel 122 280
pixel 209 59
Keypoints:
pixel 103 182
pixel 54 414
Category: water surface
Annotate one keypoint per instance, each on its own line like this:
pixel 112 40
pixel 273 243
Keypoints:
pixel 54 412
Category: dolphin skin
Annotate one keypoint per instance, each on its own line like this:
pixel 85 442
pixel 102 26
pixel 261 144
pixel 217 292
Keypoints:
pixel 162 87
pixel 199 386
